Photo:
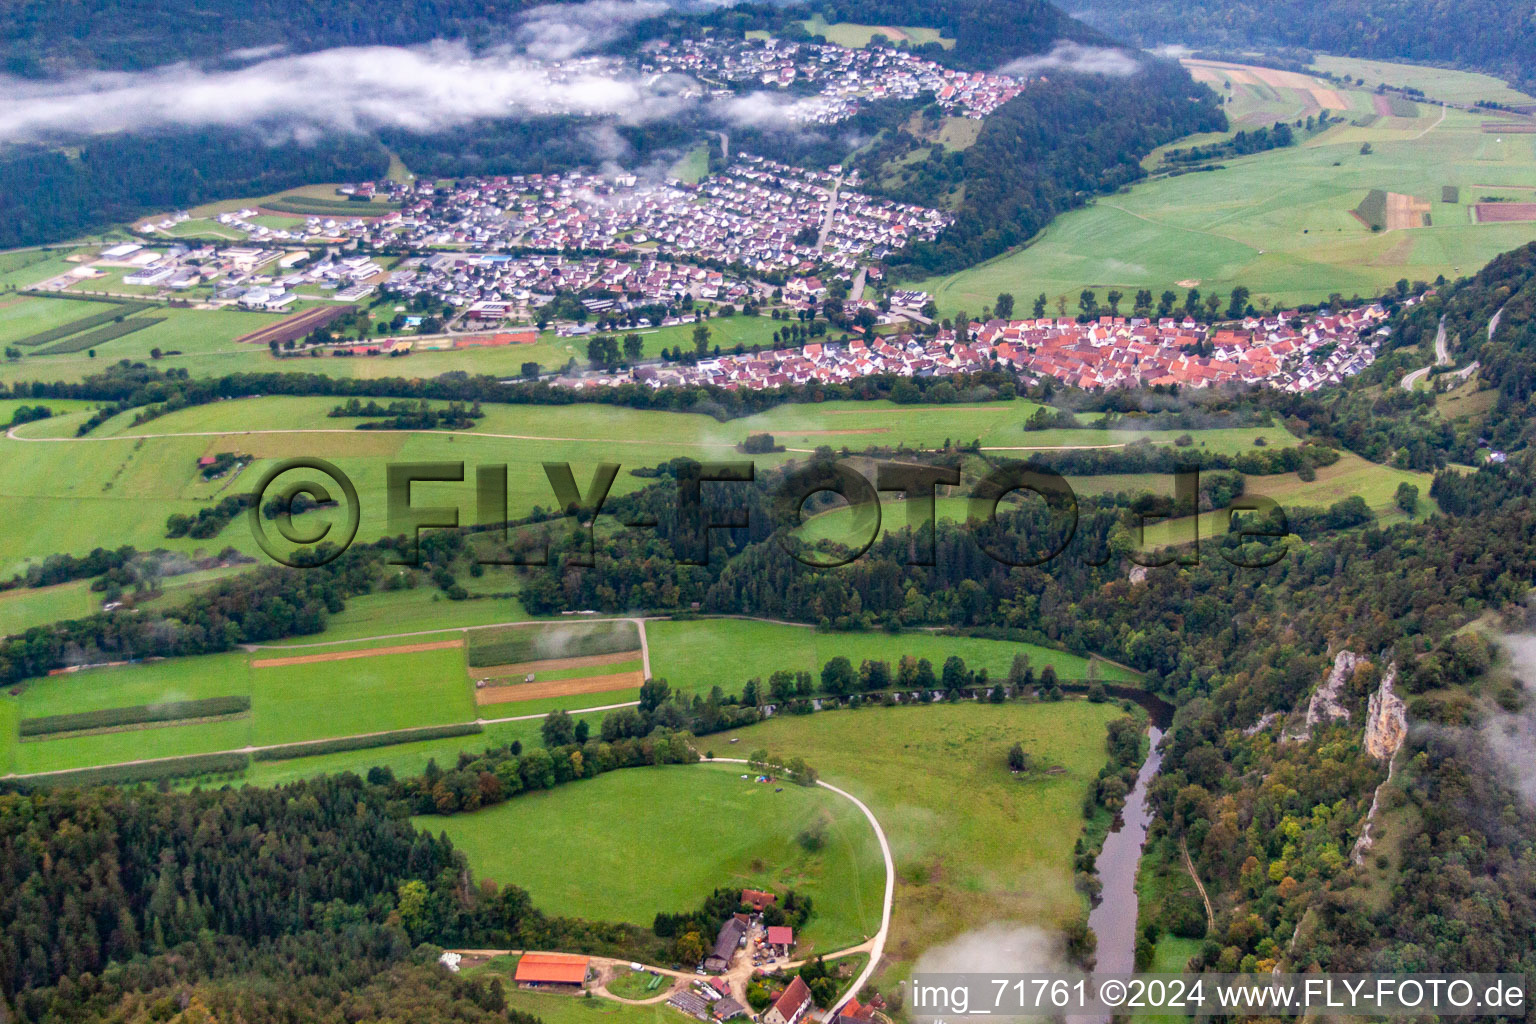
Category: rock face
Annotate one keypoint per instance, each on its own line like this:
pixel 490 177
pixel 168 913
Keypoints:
pixel 1386 726
pixel 1386 720
pixel 1324 705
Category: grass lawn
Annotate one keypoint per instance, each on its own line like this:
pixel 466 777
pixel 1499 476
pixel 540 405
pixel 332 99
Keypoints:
pixel 553 1008
pixel 149 682
pixel 22 316
pixel 1003 853
pixel 169 740
pixel 692 655
pixel 345 698
pixel 23 608
pixel 10 714
pixel 692 167
pixel 629 844
pixel 24 268
pixel 1279 223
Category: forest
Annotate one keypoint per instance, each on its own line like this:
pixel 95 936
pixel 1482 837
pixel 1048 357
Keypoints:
pixel 1485 35
pixel 47 194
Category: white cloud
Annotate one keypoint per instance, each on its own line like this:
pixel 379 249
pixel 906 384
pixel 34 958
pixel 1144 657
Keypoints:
pixel 418 88
pixel 1069 56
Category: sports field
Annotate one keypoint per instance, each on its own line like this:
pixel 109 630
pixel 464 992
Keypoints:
pixel 630 844
pixel 1004 852
pixel 1281 222
pixel 695 655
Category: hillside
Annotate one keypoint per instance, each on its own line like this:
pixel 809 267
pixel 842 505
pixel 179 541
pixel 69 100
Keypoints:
pixel 1488 35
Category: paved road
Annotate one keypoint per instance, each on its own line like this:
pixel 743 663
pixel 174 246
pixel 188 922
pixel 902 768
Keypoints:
pixel 1442 358
pixel 826 220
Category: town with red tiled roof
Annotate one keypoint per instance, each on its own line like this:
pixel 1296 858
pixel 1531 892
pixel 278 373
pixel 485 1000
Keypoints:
pixel 1289 351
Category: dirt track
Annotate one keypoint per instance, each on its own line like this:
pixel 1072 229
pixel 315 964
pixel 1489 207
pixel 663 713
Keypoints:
pixel 559 688
pixel 554 664
pixel 370 652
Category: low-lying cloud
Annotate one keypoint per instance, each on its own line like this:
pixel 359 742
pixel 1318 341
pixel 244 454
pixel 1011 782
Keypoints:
pixel 1070 56
pixel 417 88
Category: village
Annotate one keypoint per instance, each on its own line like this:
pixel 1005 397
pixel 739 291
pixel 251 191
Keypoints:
pixel 759 215
pixel 846 78
pixel 1289 351
pixel 749 973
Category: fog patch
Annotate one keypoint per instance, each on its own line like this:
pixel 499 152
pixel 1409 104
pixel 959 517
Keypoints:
pixel 995 949
pixel 422 89
pixel 1511 736
pixel 1070 56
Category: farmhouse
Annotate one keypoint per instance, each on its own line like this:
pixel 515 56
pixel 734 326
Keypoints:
pixel 791 1006
pixel 732 933
pixel 552 971
pixel 781 938
pixel 757 899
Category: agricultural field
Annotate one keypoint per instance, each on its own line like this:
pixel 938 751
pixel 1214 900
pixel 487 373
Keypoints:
pixel 1281 223
pixel 25 607
pixel 127 480
pixel 630 844
pixel 847 33
pixel 202 340
pixel 517 664
pixel 1257 97
pixel 1436 83
pixel 695 655
pixel 394 687
pixel 1004 853
pixel 1348 477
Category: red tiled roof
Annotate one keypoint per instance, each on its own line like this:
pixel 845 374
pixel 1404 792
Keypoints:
pixel 793 998
pixel 556 968
pixel 781 935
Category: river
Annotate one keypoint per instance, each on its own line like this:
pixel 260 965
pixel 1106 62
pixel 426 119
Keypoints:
pixel 1113 920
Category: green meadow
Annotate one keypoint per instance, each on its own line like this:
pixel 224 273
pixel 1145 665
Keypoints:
pixel 1279 223
pixel 203 344
pixel 555 1008
pixel 25 607
pixel 633 843
pixel 852 34
pixel 1436 83
pixel 1001 854
pixel 694 655
pixel 293 703
pixel 1347 478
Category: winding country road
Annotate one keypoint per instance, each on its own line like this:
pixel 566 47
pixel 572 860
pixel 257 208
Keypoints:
pixel 740 974
pixel 1442 358
pixel 875 947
